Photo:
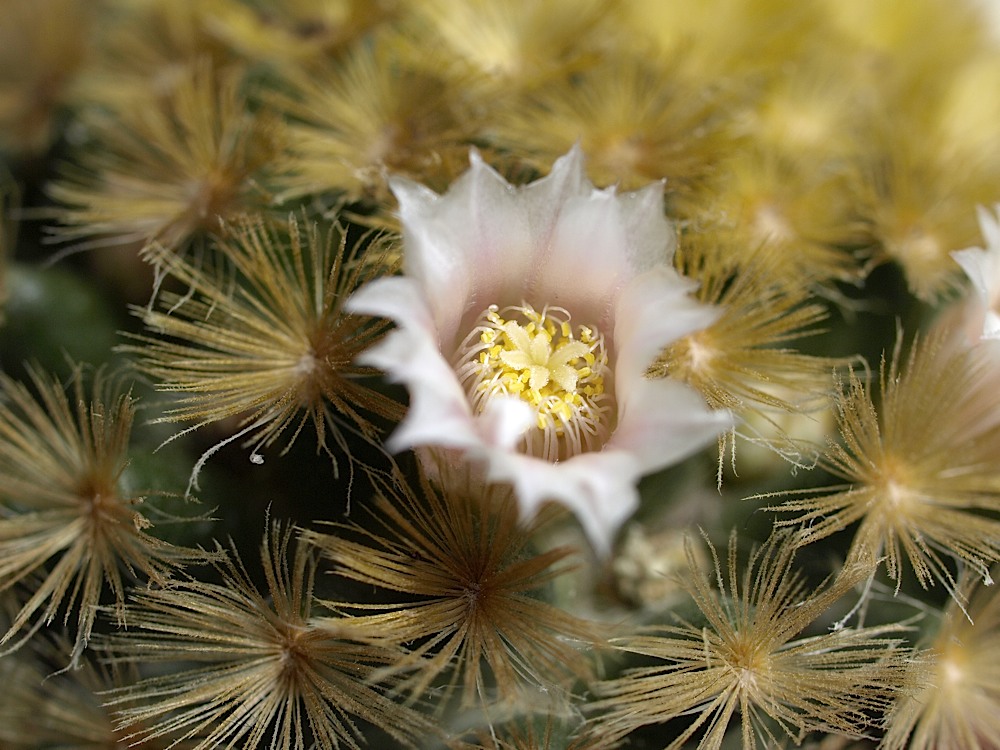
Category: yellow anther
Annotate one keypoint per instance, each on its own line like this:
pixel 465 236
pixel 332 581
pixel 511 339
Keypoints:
pixel 542 358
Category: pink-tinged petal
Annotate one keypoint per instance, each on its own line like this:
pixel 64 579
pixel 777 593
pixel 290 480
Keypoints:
pixel 991 325
pixel 399 299
pixel 431 258
pixel 599 488
pixel 664 422
pixel 989 225
pixel 439 412
pixel 600 239
pixel 982 266
pixel 669 423
pixel 586 262
pixel 467 247
pixel 651 239
pixel 983 269
pixel 543 199
pixel 504 421
pixel 653 310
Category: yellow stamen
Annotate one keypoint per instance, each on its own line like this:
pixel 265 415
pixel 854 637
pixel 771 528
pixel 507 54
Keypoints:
pixel 536 356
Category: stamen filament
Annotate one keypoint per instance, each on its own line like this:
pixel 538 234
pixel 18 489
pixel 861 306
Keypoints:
pixel 537 357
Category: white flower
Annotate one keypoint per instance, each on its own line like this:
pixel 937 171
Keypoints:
pixel 982 266
pixel 525 323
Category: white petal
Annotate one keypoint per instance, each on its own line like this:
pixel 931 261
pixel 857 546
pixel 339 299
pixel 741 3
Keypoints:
pixel 665 422
pixel 652 239
pixel 399 299
pixel 982 265
pixel 431 257
pixel 598 487
pixel 991 325
pixel 464 247
pixel 670 423
pixel 981 268
pixel 586 262
pixel 599 239
pixel 413 197
pixel 653 310
pixel 543 199
pixel 439 412
pixel 989 225
pixel 503 422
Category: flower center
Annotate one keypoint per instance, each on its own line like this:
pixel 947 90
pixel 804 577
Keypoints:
pixel 540 358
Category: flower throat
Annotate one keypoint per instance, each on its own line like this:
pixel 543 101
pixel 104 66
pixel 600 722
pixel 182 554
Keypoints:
pixel 540 358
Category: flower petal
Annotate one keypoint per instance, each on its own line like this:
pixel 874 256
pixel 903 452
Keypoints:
pixel 652 239
pixel 653 310
pixel 586 262
pixel 982 266
pixel 599 488
pixel 399 299
pixel 439 412
pixel 989 225
pixel 982 269
pixel 543 199
pixel 664 422
pixel 503 422
pixel 463 247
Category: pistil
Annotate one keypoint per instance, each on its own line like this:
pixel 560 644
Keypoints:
pixel 561 371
